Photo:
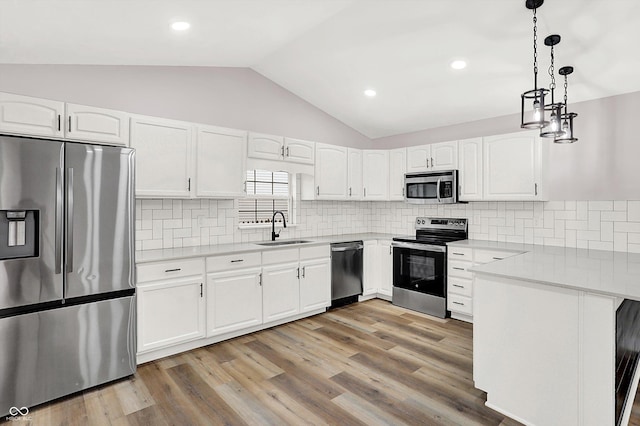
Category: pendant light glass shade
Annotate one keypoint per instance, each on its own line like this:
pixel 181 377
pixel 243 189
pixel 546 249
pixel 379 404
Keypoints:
pixel 532 104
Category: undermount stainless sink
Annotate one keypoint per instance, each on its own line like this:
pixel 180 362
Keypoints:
pixel 282 243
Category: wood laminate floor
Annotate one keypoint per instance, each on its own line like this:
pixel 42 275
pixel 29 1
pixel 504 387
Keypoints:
pixel 370 363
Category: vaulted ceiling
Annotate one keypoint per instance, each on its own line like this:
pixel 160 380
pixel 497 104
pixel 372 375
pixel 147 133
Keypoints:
pixel 329 51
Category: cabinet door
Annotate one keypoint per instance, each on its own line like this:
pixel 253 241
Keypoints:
pixel 269 147
pixel 355 174
pixel 299 151
pixel 331 172
pixel 25 115
pixel 386 268
pixel 170 312
pixel 163 157
pixel 280 291
pixel 511 166
pixel 88 123
pixel 220 162
pixel 315 284
pixel 444 155
pixel 370 268
pixel 397 169
pixel 470 173
pixel 234 301
pixel 418 158
pixel 375 174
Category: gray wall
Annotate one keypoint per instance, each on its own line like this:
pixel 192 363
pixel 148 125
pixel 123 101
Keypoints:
pixel 230 97
pixel 603 165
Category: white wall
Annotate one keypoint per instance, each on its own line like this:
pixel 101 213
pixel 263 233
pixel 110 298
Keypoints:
pixel 603 165
pixel 238 98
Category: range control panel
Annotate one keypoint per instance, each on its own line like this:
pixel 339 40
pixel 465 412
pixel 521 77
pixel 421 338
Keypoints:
pixel 441 223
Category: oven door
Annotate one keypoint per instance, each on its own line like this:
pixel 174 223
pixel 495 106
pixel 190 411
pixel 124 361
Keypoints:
pixel 420 268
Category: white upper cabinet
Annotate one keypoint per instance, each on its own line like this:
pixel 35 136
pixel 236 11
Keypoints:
pixel 25 115
pixel 86 123
pixel 269 147
pixel 436 156
pixel 375 174
pixel 330 172
pixel 513 167
pixel 397 169
pixel 163 157
pixel 299 151
pixel 470 173
pixel 355 174
pixel 220 162
pixel 418 158
pixel 444 156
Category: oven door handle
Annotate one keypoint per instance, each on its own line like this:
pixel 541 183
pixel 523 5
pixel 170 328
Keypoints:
pixel 417 246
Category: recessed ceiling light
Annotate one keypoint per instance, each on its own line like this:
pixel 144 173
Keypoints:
pixel 370 93
pixel 180 26
pixel 458 64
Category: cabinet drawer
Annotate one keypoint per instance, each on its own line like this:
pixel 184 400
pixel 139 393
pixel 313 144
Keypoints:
pixel 317 252
pixel 461 304
pixel 459 269
pixel 460 286
pixel 460 253
pixel 230 262
pixel 272 256
pixel 487 256
pixel 170 269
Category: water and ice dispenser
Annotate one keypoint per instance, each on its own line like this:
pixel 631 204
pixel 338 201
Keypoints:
pixel 19 234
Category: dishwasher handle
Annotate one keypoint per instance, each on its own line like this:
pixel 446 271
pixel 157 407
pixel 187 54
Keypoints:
pixel 348 248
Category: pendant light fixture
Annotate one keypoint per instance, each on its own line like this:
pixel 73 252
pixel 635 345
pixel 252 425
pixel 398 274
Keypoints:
pixel 552 128
pixel 533 98
pixel 567 117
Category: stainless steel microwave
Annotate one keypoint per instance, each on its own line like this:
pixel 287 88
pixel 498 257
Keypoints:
pixel 439 187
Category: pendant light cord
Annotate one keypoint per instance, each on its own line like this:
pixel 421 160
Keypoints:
pixel 552 86
pixel 535 50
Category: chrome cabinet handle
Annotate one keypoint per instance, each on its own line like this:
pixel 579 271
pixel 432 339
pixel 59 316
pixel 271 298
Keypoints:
pixel 287 151
pixel 282 151
pixel 498 258
pixel 318 190
pixel 303 271
pixel 298 273
pixel 458 303
pixel 365 191
pixel 200 289
pixel 189 184
pixel 459 286
pixel 349 191
pixel 237 260
pixel 69 124
pixel 260 279
pixel 173 270
pixel 458 254
pixel 59 122
pixel 458 269
pixel 432 162
pixel 536 188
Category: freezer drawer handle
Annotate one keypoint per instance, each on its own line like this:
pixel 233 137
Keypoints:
pixel 237 260
pixel 173 270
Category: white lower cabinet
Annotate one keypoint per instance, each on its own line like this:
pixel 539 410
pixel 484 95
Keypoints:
pixel 171 304
pixel 280 291
pixel 370 269
pixel 386 268
pixel 315 284
pixel 460 280
pixel 234 300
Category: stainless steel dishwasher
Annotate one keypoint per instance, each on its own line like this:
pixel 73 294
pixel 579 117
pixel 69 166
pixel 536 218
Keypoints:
pixel 346 272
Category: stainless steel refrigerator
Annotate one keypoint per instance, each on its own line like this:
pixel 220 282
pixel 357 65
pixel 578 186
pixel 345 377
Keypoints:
pixel 67 288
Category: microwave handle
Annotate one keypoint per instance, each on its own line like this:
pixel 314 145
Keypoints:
pixel 438 189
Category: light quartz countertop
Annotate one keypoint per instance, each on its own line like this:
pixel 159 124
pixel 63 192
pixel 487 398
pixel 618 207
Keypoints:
pixel 604 272
pixel 145 256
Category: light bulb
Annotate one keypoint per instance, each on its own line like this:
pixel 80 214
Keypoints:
pixel 536 111
pixel 555 124
pixel 566 129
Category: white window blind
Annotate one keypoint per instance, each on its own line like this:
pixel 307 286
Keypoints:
pixel 267 192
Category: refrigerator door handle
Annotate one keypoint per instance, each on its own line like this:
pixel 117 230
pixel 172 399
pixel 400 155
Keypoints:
pixel 58 221
pixel 69 257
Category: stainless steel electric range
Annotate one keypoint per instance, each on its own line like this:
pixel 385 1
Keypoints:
pixel 420 265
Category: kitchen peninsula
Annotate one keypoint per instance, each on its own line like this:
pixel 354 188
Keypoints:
pixel 548 333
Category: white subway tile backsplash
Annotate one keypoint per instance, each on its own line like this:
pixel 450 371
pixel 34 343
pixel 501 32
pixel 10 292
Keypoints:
pixel 605 225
